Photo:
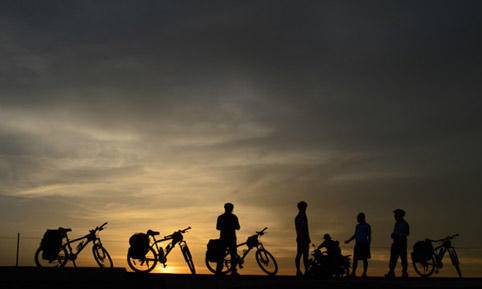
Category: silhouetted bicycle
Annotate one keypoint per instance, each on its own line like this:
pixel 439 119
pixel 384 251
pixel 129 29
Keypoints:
pixel 66 252
pixel 156 253
pixel 425 264
pixel 265 260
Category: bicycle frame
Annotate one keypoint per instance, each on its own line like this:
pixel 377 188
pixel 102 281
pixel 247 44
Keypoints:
pixel 246 252
pixel 90 237
pixel 265 260
pixel 439 252
pixel 444 246
pixel 176 240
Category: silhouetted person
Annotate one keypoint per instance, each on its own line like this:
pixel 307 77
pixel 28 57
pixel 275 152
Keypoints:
pixel 302 237
pixel 362 237
pixel 332 247
pixel 227 224
pixel 399 245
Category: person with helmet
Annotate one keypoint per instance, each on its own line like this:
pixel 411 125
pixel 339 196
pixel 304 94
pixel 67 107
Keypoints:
pixel 227 224
pixel 399 236
pixel 302 237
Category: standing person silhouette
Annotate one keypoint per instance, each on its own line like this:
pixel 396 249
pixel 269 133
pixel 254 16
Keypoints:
pixel 399 245
pixel 302 237
pixel 227 224
pixel 362 237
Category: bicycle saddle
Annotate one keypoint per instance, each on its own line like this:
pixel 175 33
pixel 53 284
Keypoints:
pixel 152 233
pixel 65 229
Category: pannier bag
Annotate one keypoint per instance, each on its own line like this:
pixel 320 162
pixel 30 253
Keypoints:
pixel 422 251
pixel 252 241
pixel 139 245
pixel 215 250
pixel 51 244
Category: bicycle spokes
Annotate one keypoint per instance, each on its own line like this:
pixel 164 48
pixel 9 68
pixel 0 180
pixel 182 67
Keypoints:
pixel 264 258
pixel 100 254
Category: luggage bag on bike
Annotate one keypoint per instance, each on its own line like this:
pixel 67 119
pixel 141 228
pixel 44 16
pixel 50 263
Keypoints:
pixel 51 244
pixel 252 241
pixel 215 250
pixel 139 245
pixel 422 251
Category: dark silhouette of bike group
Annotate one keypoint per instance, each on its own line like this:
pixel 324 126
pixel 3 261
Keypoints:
pixel 326 260
pixel 331 263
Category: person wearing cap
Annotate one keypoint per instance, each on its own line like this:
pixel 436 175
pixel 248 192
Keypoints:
pixel 227 224
pixel 302 237
pixel 399 236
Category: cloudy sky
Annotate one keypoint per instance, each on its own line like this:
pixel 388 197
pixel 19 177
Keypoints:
pixel 153 114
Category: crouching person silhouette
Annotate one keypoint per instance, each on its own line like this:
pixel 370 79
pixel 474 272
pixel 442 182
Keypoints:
pixel 332 249
pixel 227 224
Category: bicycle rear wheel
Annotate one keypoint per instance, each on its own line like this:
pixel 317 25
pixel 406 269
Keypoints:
pixel 226 263
pixel 145 264
pixel 423 268
pixel 58 262
pixel 455 261
pixel 101 256
pixel 266 262
pixel 188 258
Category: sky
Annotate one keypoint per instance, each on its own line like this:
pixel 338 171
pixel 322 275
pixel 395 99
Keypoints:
pixel 153 114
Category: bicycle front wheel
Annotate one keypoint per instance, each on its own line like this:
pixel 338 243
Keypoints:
pixel 455 261
pixel 145 264
pixel 266 262
pixel 422 267
pixel 188 258
pixel 101 256
pixel 57 262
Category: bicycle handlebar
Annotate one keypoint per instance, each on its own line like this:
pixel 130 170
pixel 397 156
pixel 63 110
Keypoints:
pixel 179 231
pixel 444 239
pixel 185 230
pixel 262 231
pixel 99 228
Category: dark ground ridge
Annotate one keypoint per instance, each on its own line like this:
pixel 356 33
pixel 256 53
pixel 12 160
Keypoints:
pixel 93 278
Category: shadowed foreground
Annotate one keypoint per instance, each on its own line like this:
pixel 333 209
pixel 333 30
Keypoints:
pixel 28 277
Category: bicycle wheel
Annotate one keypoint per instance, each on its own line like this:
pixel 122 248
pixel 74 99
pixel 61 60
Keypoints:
pixel 344 272
pixel 101 256
pixel 455 261
pixel 211 265
pixel 424 268
pixel 144 264
pixel 188 258
pixel 58 262
pixel 266 262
